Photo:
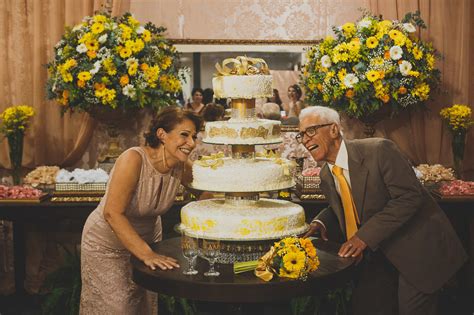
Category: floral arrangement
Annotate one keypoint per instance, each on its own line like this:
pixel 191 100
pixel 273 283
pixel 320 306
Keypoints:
pixel 371 64
pixel 458 117
pixel 292 257
pixel 113 62
pixel 15 119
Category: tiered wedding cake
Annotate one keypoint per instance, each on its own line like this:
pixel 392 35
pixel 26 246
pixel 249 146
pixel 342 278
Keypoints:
pixel 242 219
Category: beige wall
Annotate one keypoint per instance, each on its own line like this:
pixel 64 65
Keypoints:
pixel 247 19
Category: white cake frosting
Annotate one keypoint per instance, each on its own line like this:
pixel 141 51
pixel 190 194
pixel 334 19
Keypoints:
pixel 242 175
pixel 243 86
pixel 257 220
pixel 243 131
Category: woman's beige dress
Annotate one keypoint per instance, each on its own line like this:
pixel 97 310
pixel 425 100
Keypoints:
pixel 106 272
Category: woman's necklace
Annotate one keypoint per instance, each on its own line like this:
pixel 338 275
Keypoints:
pixel 165 163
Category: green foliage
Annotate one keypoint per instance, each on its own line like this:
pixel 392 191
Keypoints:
pixel 335 302
pixel 64 286
pixel 175 305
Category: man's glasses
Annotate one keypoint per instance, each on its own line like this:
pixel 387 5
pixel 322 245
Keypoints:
pixel 309 132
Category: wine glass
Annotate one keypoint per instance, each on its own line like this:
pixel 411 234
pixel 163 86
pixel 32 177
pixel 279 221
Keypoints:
pixel 190 247
pixel 211 251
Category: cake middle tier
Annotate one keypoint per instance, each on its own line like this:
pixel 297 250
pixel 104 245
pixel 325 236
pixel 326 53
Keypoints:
pixel 242 175
pixel 243 131
pixel 260 220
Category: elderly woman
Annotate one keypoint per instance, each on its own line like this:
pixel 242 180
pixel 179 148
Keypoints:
pixel 142 186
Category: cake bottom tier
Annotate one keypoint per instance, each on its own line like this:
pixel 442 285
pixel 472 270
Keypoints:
pixel 265 219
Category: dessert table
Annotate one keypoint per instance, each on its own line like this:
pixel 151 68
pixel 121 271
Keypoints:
pixel 333 272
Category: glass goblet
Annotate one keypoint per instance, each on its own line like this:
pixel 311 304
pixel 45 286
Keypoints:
pixel 211 251
pixel 190 248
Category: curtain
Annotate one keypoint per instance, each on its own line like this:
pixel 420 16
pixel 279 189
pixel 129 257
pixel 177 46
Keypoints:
pixel 421 135
pixel 28 32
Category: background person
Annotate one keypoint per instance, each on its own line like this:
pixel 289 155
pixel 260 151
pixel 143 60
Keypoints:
pixel 295 105
pixel 142 186
pixel 196 105
pixel 377 207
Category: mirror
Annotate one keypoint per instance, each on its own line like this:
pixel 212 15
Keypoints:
pixel 284 59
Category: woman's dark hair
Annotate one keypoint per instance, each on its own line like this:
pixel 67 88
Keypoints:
pixel 297 89
pixel 207 96
pixel 197 89
pixel 213 112
pixel 168 118
pixel 275 98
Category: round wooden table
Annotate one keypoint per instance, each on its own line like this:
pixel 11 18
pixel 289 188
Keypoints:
pixel 333 271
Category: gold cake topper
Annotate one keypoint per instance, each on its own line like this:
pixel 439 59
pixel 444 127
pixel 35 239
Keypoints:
pixel 213 161
pixel 242 65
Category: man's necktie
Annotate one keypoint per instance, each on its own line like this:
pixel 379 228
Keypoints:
pixel 350 213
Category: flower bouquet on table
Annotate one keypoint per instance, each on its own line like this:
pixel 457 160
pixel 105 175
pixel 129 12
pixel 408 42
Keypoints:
pixel 459 119
pixel 113 62
pixel 291 257
pixel 15 121
pixel 371 67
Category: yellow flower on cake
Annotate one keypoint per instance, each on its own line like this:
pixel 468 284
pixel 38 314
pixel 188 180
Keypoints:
pixel 114 62
pixel 387 66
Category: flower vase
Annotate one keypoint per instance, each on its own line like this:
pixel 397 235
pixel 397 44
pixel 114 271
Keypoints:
pixel 458 143
pixel 15 143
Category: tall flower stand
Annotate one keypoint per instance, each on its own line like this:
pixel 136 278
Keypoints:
pixel 113 120
pixel 15 143
pixel 370 120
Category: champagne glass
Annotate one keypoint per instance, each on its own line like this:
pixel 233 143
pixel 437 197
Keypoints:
pixel 190 247
pixel 211 251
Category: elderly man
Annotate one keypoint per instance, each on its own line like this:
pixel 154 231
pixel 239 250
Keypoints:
pixel 405 244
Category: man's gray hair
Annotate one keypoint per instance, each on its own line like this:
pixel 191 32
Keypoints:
pixel 271 111
pixel 327 115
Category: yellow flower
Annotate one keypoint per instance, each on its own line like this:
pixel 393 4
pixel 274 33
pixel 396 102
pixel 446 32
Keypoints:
pixel 138 45
pixel 457 116
pixel 97 28
pixel 132 70
pixel 430 60
pixel 372 75
pixel 294 261
pixel 81 83
pixel 99 18
pixel 372 42
pixel 146 36
pixel 92 45
pixel 422 91
pixel 84 76
pixel 125 52
pixel 126 31
pixel 349 29
pixel 417 53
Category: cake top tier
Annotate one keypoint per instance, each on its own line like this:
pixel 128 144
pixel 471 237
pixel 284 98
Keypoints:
pixel 242 78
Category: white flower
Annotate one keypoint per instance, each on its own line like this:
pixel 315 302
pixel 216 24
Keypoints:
pixel 59 44
pixel 405 67
pixel 350 79
pixel 131 61
pixel 129 90
pixel 364 23
pixel 103 38
pixel 409 27
pixel 81 48
pixel 396 52
pixel 326 61
pixel 77 27
pixel 140 30
pixel 96 68
pixel 60 52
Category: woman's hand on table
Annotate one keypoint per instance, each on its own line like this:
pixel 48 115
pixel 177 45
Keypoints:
pixel 154 260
